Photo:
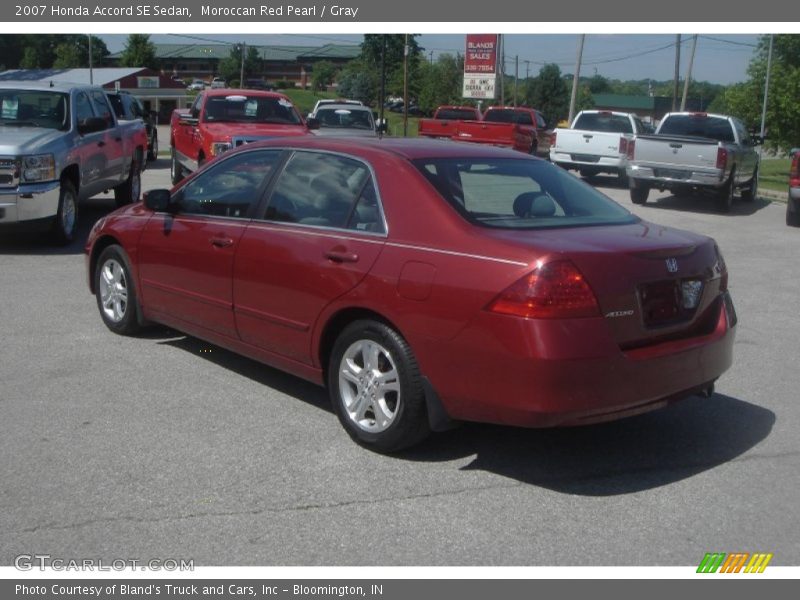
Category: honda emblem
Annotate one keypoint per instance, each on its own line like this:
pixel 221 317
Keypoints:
pixel 672 265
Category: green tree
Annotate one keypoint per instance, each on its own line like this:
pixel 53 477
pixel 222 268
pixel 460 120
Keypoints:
pixel 231 67
pixel 68 56
pixel 549 93
pixel 371 49
pixel 322 75
pixel 356 81
pixel 139 51
pixel 440 82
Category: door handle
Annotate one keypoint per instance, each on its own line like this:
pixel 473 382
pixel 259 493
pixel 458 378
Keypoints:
pixel 341 256
pixel 221 242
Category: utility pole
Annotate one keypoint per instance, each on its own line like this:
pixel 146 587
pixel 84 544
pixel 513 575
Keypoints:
pixel 575 78
pixel 91 71
pixel 766 93
pixel 383 77
pixel 405 87
pixel 241 72
pixel 431 56
pixel 689 75
pixel 502 70
pixel 677 72
pixel 516 78
pixel 527 69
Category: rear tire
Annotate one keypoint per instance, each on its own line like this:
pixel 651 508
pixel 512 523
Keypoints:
pixel 130 191
pixel 724 199
pixel 115 291
pixel 793 213
pixel 639 191
pixel 152 151
pixel 376 387
pixel 750 193
pixel 66 221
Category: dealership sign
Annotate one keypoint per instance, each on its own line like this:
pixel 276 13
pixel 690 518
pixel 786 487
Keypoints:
pixel 480 66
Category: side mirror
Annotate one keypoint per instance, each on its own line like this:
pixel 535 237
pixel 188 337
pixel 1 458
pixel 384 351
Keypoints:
pixel 158 200
pixel 193 121
pixel 91 125
pixel 312 123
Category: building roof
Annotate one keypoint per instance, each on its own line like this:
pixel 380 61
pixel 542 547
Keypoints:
pixel 266 52
pixel 101 77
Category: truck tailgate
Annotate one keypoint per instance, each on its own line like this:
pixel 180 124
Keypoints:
pixel 587 146
pixel 675 152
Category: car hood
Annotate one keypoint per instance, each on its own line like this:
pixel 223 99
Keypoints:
pixel 26 140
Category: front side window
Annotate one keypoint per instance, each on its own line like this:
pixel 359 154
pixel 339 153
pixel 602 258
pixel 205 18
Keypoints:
pixel 231 188
pixel 325 190
pixel 509 193
pixel 101 107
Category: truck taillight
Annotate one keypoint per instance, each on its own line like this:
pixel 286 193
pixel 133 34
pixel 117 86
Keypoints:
pixel 629 148
pixel 623 146
pixel 722 158
pixel 555 290
pixel 553 137
pixel 794 172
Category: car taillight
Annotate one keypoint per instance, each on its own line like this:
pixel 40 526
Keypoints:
pixel 623 146
pixel 555 290
pixel 722 270
pixel 794 173
pixel 722 158
pixel 629 148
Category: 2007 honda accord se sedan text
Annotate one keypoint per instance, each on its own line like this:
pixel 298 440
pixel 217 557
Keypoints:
pixel 424 282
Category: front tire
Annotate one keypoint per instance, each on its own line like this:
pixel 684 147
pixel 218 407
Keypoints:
pixel 750 193
pixel 724 199
pixel 66 221
pixel 376 387
pixel 793 213
pixel 115 291
pixel 176 170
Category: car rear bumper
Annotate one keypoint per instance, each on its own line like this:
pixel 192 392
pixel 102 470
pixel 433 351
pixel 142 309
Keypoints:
pixel 550 373
pixel 29 203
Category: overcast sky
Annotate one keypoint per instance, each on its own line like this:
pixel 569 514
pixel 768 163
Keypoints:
pixel 720 58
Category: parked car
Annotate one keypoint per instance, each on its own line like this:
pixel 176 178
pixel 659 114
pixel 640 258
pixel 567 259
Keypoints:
pixel 344 119
pixel 218 83
pixel 327 101
pixel 62 143
pixel 258 84
pixel 424 283
pixel 128 108
pixel 197 85
pixel 695 152
pixel 793 205
pixel 597 142
pixel 219 120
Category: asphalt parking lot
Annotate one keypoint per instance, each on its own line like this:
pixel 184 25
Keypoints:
pixel 162 446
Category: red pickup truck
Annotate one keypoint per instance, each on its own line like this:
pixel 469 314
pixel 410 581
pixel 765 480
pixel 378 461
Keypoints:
pixel 444 123
pixel 221 119
pixel 523 129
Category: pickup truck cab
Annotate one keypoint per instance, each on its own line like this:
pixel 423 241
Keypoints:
pixel 519 128
pixel 444 123
pixel 221 119
pixel 59 144
pixel 694 152
pixel 596 142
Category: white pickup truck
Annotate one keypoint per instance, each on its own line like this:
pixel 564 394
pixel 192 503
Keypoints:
pixel 693 152
pixel 597 142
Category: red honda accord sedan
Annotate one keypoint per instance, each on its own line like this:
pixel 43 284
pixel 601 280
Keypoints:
pixel 424 282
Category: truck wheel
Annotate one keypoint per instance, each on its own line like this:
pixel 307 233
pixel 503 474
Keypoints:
pixel 376 387
pixel 623 177
pixel 750 193
pixel 639 191
pixel 534 148
pixel 176 170
pixel 793 213
pixel 725 196
pixel 129 191
pixel 152 152
pixel 66 222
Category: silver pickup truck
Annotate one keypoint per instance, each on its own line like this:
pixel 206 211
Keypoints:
pixel 692 152
pixel 60 143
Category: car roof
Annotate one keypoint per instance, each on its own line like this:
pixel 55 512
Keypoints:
pixel 343 106
pixel 407 148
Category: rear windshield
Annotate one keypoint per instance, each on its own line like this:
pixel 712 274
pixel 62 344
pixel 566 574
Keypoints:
pixel 606 122
pixel 455 114
pixel 510 193
pixel 34 108
pixel 507 116
pixel 345 118
pixel 715 128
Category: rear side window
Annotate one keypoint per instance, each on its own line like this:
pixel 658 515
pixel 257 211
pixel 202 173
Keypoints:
pixel 519 194
pixel 325 190
pixel 455 114
pixel 606 122
pixel 699 125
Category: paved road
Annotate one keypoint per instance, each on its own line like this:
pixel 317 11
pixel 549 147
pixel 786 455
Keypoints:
pixel 164 447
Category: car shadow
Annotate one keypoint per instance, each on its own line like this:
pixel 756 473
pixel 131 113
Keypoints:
pixel 40 244
pixel 622 457
pixel 705 203
pixel 605 180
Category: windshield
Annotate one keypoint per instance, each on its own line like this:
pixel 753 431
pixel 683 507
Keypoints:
pixel 345 118
pixel 606 122
pixel 510 193
pixel 698 125
pixel 34 108
pixel 250 109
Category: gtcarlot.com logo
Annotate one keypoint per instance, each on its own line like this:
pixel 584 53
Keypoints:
pixel 737 562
